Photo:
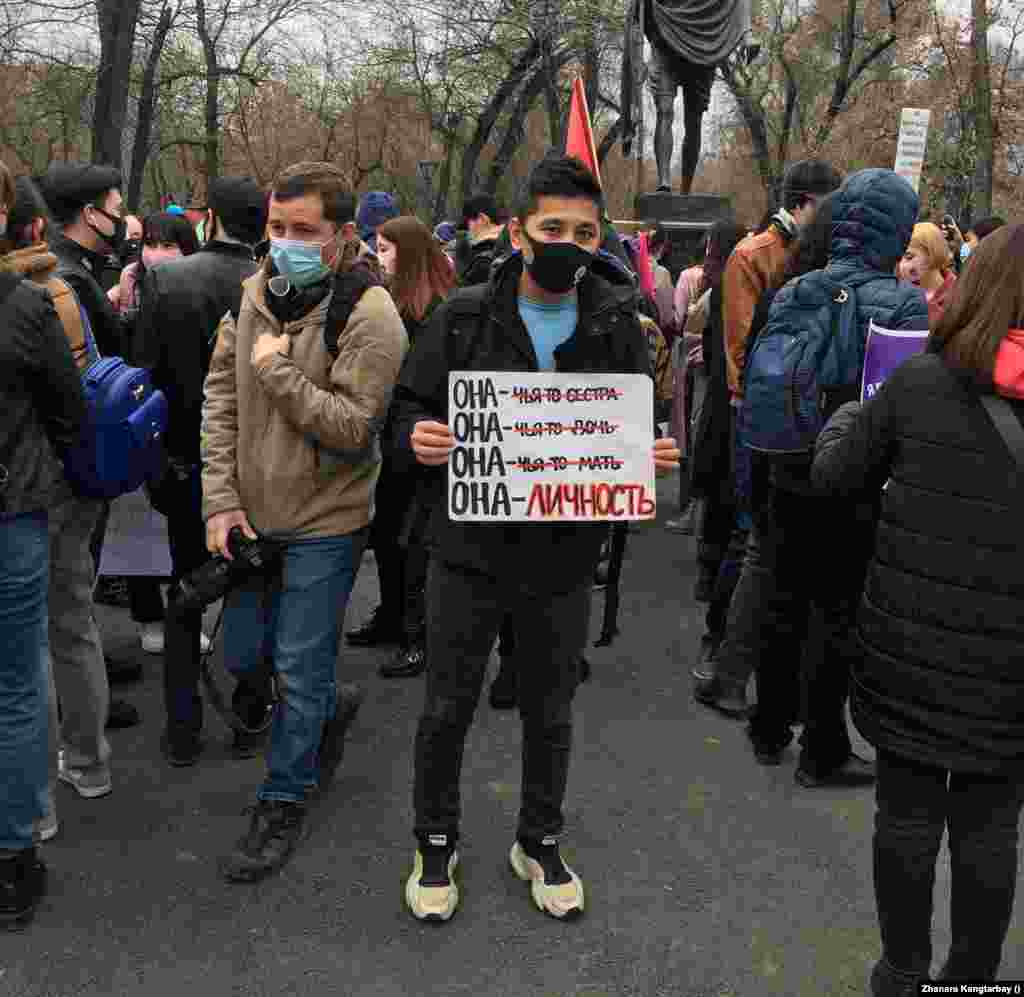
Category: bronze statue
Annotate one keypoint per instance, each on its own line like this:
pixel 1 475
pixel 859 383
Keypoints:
pixel 689 38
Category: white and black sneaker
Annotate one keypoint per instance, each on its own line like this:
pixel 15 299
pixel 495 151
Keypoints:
pixel 430 891
pixel 556 889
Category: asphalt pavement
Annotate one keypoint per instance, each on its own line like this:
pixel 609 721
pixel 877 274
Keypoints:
pixel 707 875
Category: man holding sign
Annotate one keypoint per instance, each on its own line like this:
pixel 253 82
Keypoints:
pixel 551 306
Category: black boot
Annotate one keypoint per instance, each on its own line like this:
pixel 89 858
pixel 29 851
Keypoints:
pixel 887 981
pixel 332 741
pixel 22 887
pixel 274 832
pixel 407 663
pixel 381 628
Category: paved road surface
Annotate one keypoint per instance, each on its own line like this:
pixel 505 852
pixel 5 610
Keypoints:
pixel 706 875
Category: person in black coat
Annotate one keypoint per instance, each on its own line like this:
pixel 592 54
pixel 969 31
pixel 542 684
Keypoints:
pixel 419 276
pixel 182 304
pixel 542 573
pixel 722 674
pixel 939 687
pixel 41 398
pixel 719 544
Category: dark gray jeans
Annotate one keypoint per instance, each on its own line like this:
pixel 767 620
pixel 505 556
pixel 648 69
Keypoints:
pixel 464 614
pixel 916 803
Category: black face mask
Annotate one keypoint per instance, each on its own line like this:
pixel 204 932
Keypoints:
pixel 117 238
pixel 558 266
pixel 131 250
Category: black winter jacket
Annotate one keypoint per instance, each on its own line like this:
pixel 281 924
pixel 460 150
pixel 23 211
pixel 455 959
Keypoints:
pixel 183 302
pixel 40 397
pixel 479 328
pixel 476 262
pixel 941 680
pixel 82 269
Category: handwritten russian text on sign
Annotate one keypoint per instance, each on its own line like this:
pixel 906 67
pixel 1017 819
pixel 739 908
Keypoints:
pixel 910 147
pixel 886 349
pixel 550 447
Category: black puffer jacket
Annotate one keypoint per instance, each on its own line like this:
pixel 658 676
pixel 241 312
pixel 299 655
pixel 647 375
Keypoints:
pixel 942 621
pixel 183 302
pixel 40 397
pixel 479 328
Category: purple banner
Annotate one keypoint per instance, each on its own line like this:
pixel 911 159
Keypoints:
pixel 886 349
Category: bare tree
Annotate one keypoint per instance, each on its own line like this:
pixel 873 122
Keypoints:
pixel 117 21
pixel 237 39
pixel 981 81
pixel 816 61
pixel 147 105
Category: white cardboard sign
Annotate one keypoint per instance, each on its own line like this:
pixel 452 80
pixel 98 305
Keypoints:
pixel 550 447
pixel 910 147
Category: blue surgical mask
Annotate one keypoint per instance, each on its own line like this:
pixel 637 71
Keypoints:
pixel 301 262
pixel 965 251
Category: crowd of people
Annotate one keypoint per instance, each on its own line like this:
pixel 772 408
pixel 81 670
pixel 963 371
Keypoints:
pixel 303 342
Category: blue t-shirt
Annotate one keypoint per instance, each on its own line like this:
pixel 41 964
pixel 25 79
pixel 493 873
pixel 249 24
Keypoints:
pixel 549 325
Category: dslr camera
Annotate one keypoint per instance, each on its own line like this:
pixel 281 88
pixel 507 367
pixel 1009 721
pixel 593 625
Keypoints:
pixel 219 575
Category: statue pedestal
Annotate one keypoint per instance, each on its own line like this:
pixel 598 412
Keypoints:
pixel 701 208
pixel 687 217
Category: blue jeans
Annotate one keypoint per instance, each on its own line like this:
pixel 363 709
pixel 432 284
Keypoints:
pixel 295 622
pixel 24 579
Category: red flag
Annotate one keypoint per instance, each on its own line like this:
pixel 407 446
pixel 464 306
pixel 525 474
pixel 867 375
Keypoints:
pixel 644 267
pixel 579 138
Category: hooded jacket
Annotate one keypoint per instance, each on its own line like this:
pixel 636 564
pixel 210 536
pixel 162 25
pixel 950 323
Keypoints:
pixel 479 328
pixel 941 624
pixel 293 440
pixel 872 221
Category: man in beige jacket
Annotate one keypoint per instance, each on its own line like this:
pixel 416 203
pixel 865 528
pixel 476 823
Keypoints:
pixel 290 420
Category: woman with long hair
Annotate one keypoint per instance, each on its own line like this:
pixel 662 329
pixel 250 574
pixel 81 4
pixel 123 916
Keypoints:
pixel 712 479
pixel 725 665
pixel 419 276
pixel 164 237
pixel 938 688
pixel 711 465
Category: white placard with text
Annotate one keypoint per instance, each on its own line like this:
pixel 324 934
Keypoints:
pixel 550 447
pixel 910 147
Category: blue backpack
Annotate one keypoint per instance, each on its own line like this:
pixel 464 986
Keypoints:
pixel 806 361
pixel 121 443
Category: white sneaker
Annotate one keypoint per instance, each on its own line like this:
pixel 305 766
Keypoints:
pixel 151 635
pixel 431 893
pixel 551 892
pixel 89 783
pixel 46 827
